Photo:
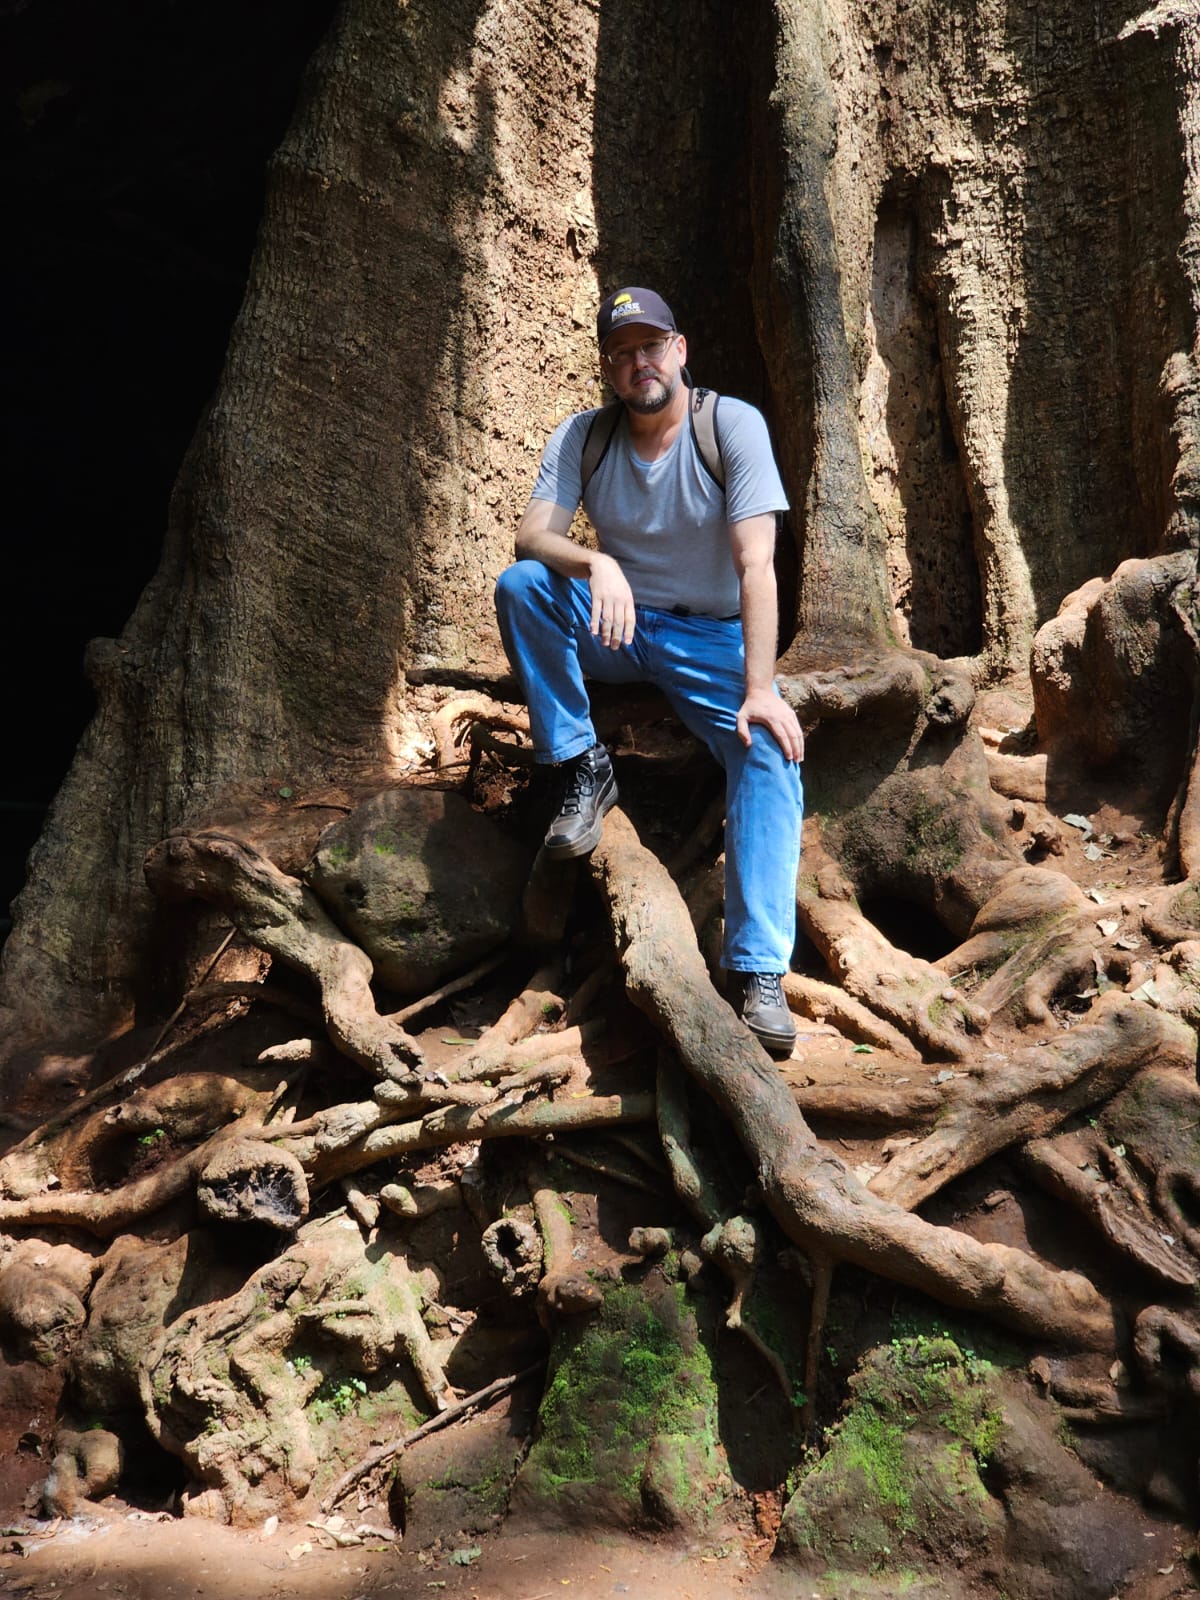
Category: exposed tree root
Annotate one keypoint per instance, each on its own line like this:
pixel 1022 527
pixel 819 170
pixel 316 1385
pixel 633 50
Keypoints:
pixel 1130 1236
pixel 908 993
pixel 824 1002
pixel 106 1214
pixel 1032 1092
pixel 282 916
pixel 456 1124
pixel 813 1196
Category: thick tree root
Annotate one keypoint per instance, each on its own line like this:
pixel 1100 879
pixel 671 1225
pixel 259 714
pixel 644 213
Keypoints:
pixel 1132 1237
pixel 819 1204
pixel 908 993
pixel 457 1124
pixel 1031 1093
pixel 106 1214
pixel 824 1002
pixel 280 915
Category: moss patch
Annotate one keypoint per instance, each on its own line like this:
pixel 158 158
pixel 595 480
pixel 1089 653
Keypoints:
pixel 628 1423
pixel 900 1474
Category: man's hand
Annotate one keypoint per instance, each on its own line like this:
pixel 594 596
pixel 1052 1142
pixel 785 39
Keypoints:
pixel 544 535
pixel 612 602
pixel 767 707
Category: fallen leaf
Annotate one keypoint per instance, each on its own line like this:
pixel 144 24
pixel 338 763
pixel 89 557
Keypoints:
pixel 1074 820
pixel 863 1050
pixel 1108 926
pixel 304 1548
pixel 464 1556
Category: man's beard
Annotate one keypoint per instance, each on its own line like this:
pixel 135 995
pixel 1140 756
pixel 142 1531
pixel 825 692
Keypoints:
pixel 647 405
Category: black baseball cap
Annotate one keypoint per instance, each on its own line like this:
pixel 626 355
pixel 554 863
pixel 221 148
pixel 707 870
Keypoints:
pixel 633 305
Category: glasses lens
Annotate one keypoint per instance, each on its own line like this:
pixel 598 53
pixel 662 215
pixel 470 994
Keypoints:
pixel 651 350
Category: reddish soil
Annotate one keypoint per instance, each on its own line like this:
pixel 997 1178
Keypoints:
pixel 109 1555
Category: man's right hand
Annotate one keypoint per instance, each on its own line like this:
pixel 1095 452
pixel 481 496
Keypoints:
pixel 613 614
pixel 544 536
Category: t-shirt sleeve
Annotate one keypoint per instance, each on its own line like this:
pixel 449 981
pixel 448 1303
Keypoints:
pixel 559 476
pixel 752 482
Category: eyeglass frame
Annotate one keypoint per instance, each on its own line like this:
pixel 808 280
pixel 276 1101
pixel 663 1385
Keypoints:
pixel 626 357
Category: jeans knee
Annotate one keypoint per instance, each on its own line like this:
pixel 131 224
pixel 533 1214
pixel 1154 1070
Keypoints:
pixel 512 584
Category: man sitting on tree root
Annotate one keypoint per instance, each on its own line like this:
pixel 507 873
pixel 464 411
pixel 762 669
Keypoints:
pixel 681 594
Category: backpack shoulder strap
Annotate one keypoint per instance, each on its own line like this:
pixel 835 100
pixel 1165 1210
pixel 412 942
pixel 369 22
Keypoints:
pixel 703 413
pixel 599 436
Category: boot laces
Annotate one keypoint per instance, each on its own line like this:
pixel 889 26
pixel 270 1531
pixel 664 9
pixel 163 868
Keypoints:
pixel 769 986
pixel 580 786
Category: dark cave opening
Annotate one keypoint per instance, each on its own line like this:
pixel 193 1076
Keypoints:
pixel 137 142
pixel 910 927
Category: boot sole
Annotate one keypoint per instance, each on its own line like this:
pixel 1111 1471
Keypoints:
pixel 774 1044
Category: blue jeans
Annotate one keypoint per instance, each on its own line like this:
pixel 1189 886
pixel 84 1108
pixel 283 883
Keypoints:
pixel 698 664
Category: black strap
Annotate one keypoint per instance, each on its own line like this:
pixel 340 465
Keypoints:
pixel 702 415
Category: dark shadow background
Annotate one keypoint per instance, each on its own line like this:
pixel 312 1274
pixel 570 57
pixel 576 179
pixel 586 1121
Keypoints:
pixel 135 141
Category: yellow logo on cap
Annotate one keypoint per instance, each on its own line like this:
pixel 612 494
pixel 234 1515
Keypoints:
pixel 622 299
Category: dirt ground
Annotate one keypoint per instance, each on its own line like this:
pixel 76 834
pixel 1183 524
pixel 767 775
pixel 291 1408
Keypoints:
pixel 121 1556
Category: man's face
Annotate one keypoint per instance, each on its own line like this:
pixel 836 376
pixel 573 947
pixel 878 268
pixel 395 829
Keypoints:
pixel 643 365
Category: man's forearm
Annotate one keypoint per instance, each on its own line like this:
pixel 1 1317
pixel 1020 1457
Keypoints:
pixel 555 550
pixel 760 626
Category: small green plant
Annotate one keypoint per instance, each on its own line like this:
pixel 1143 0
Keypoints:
pixel 337 1397
pixel 299 1365
pixel 149 1140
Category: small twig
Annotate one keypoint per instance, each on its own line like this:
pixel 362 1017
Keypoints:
pixel 609 1169
pixel 183 1004
pixel 456 985
pixel 481 1397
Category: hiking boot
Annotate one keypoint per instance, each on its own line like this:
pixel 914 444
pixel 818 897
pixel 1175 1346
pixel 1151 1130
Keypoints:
pixel 589 790
pixel 765 1011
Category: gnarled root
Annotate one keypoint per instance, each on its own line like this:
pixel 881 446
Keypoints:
pixel 282 916
pixel 1031 1093
pixel 908 993
pixel 1130 1236
pixel 814 1197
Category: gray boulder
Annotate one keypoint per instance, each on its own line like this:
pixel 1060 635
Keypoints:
pixel 423 882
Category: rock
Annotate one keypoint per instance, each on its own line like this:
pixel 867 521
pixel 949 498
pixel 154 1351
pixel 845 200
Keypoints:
pixel 43 1293
pixel 141 1287
pixel 39 1312
pixel 423 882
pixel 937 1452
pixel 87 1466
pixel 628 1425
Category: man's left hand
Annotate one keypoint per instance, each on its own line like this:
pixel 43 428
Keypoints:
pixel 767 707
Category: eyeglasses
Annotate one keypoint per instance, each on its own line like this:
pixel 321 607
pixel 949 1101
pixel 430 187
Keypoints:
pixel 653 351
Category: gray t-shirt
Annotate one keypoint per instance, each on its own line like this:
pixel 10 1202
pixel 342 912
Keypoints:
pixel 667 522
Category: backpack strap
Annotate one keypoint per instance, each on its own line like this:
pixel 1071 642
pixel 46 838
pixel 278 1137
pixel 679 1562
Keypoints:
pixel 703 414
pixel 599 436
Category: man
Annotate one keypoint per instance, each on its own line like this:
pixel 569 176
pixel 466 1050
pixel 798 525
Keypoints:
pixel 680 593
